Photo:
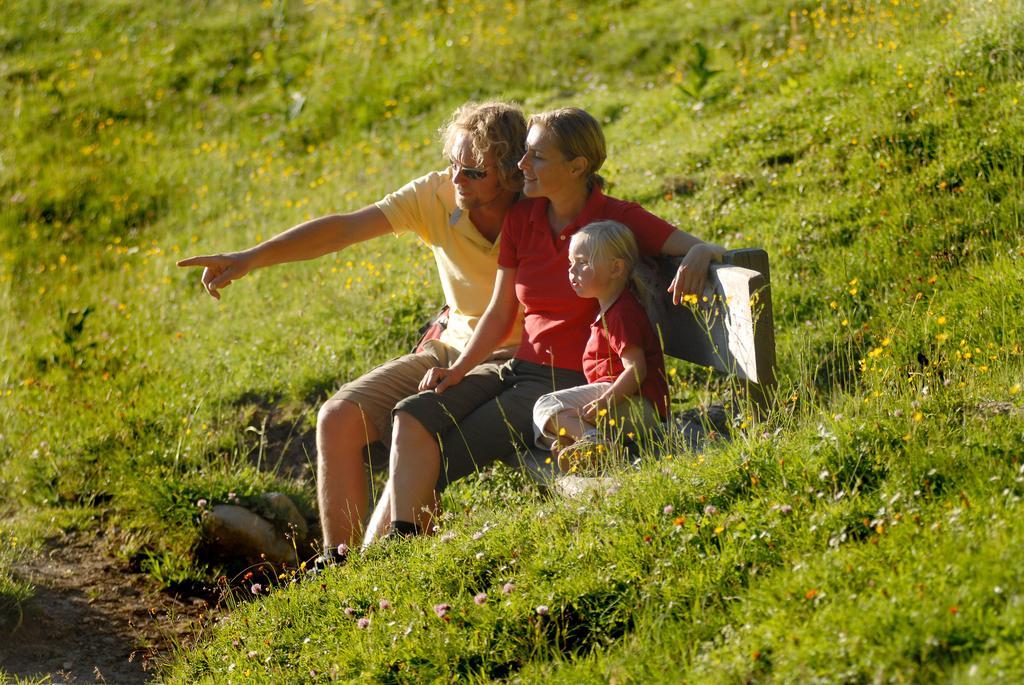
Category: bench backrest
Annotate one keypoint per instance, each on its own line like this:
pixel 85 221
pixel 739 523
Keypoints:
pixel 732 330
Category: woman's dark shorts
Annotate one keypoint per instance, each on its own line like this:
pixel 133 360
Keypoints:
pixel 488 416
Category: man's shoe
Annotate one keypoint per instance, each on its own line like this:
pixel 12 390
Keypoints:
pixel 590 455
pixel 328 559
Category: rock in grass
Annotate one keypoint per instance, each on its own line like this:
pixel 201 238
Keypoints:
pixel 572 486
pixel 280 509
pixel 236 532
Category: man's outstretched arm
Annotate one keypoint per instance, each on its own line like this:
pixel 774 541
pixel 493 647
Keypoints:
pixel 308 240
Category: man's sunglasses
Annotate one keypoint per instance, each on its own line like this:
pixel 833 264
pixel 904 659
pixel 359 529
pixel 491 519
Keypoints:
pixel 467 171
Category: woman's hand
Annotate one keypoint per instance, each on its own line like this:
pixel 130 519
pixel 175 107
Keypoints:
pixel 692 273
pixel 220 269
pixel 439 379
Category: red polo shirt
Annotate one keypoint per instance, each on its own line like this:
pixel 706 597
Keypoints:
pixel 556 320
pixel 625 324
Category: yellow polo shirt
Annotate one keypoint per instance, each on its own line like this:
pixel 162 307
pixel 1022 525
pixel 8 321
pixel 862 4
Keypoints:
pixel 466 261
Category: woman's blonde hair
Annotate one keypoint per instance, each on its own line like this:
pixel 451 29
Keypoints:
pixel 576 134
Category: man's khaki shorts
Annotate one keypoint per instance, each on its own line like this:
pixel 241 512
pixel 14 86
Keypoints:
pixel 379 390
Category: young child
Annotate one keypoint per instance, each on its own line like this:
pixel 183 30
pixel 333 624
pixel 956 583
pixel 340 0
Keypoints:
pixel 623 363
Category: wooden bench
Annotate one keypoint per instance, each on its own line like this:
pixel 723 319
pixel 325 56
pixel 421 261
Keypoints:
pixel 730 329
pixel 733 330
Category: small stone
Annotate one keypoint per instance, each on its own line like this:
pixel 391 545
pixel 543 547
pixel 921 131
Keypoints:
pixel 280 508
pixel 573 486
pixel 236 532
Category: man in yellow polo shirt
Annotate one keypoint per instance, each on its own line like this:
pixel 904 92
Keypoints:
pixel 458 212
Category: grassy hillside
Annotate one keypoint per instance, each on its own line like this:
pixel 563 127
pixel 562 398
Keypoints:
pixel 868 531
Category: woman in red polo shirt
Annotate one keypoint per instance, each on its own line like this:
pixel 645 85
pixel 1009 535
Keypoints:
pixel 473 413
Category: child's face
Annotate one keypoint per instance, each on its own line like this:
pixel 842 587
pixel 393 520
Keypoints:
pixel 591 278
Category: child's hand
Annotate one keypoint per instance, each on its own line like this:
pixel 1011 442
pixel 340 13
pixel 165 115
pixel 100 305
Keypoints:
pixel 592 410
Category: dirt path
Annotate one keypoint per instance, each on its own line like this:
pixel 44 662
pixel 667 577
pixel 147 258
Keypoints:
pixel 93 619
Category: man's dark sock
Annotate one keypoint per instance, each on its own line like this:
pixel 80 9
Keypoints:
pixel 402 529
pixel 330 557
pixel 333 556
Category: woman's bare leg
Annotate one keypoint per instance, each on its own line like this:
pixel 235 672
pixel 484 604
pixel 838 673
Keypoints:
pixel 415 467
pixel 380 518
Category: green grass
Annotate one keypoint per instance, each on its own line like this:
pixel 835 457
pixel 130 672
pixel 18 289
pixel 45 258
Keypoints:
pixel 13 591
pixel 867 531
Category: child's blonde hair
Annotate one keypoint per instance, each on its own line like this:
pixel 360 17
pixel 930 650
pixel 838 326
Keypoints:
pixel 604 241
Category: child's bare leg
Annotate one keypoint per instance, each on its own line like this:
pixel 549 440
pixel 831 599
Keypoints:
pixel 567 427
pixel 570 428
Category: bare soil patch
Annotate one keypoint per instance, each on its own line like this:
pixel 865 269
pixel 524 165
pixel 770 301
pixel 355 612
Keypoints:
pixel 94 619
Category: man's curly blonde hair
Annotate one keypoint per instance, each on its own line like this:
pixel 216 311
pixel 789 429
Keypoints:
pixel 496 127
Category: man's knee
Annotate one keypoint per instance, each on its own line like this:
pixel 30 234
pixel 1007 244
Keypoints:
pixel 347 419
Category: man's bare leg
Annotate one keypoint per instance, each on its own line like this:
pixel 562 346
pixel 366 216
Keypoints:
pixel 342 434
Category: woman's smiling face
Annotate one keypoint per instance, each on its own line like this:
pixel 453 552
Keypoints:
pixel 546 171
